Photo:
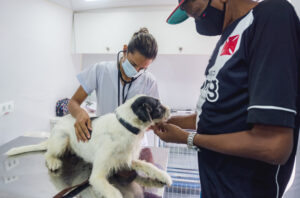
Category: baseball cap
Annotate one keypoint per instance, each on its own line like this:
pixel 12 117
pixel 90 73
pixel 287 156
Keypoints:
pixel 178 15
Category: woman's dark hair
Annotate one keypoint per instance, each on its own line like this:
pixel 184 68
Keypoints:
pixel 143 42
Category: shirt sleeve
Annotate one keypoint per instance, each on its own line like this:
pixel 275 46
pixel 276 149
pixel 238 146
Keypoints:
pixel 273 68
pixel 153 90
pixel 152 87
pixel 90 77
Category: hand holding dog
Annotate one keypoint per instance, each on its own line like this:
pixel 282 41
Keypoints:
pixel 82 127
pixel 170 133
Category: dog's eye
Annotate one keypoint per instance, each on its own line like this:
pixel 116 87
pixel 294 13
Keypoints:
pixel 159 109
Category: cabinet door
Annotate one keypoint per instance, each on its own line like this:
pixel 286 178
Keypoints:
pixel 107 30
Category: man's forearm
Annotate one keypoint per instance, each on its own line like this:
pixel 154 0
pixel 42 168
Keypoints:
pixel 237 144
pixel 249 145
pixel 184 122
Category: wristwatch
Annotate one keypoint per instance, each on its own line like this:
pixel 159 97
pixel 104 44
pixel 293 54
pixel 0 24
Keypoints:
pixel 190 141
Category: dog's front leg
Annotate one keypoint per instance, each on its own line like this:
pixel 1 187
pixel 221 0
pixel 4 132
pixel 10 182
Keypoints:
pixel 98 179
pixel 151 171
pixel 148 182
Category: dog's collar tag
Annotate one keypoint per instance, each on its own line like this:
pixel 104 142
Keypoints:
pixel 128 126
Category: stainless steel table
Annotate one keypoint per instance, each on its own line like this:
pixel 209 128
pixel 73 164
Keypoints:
pixel 26 176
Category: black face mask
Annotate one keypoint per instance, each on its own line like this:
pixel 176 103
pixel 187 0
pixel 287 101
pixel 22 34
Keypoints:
pixel 211 21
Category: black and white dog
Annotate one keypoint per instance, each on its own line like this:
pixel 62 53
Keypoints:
pixel 114 143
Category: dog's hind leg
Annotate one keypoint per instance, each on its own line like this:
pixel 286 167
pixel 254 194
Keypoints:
pixel 57 145
pixel 151 171
pixel 102 167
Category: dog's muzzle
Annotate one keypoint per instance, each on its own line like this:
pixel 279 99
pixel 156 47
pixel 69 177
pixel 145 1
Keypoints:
pixel 167 112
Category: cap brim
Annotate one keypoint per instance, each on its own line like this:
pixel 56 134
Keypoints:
pixel 178 15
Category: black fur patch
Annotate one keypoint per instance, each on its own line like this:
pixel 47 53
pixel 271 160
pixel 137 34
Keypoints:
pixel 148 108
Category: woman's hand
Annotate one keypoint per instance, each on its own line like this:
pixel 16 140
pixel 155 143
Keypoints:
pixel 170 133
pixel 83 126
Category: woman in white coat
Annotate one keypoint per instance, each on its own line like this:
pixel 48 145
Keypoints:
pixel 116 81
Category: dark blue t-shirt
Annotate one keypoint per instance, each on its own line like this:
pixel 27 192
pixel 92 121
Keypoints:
pixel 252 78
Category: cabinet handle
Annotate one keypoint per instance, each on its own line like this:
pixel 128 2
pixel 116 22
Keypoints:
pixel 180 49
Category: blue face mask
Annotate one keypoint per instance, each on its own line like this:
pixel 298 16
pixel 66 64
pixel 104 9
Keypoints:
pixel 129 70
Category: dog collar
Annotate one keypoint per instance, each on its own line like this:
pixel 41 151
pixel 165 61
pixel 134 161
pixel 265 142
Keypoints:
pixel 128 126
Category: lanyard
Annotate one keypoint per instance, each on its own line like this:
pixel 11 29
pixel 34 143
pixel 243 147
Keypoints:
pixel 124 97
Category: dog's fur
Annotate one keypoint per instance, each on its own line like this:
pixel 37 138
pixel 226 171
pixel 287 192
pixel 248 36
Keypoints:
pixel 112 147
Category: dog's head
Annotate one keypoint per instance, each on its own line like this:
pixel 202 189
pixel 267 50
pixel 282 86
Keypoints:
pixel 142 111
pixel 149 109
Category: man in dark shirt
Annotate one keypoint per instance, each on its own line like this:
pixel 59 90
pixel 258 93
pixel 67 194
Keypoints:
pixel 247 117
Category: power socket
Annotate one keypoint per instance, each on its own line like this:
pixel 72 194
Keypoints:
pixel 6 108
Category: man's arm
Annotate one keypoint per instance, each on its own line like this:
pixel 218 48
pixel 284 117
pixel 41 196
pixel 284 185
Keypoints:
pixel 82 118
pixel 271 144
pixel 184 122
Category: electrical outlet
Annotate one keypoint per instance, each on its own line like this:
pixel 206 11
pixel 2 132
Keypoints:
pixel 6 108
pixel 10 106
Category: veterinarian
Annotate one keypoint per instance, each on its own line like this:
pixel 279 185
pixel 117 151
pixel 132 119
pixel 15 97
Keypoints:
pixel 247 117
pixel 116 81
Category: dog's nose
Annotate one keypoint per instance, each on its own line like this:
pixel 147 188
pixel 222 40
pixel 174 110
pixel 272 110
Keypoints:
pixel 166 111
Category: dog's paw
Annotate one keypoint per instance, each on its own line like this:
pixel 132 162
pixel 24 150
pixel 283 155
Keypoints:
pixel 53 163
pixel 164 178
pixel 56 173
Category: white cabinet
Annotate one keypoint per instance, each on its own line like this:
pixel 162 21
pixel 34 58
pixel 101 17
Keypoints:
pixel 107 30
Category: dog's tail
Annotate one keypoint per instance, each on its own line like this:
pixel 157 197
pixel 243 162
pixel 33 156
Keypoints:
pixel 24 149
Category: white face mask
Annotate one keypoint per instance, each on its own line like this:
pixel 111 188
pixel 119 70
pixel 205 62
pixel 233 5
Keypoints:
pixel 129 70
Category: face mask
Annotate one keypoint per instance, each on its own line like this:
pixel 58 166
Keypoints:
pixel 129 70
pixel 211 21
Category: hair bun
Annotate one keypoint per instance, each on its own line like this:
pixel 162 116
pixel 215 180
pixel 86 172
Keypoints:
pixel 142 30
pixel 143 42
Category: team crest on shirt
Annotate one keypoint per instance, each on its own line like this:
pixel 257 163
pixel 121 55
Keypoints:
pixel 230 45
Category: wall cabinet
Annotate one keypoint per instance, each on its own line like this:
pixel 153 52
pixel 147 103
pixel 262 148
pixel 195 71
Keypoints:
pixel 107 30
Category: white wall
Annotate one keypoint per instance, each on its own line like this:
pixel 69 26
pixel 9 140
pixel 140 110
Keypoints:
pixel 36 65
pixel 179 77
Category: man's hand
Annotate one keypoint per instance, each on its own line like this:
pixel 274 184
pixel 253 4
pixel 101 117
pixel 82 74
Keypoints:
pixel 83 126
pixel 170 133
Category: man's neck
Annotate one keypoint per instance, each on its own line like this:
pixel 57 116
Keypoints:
pixel 236 9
